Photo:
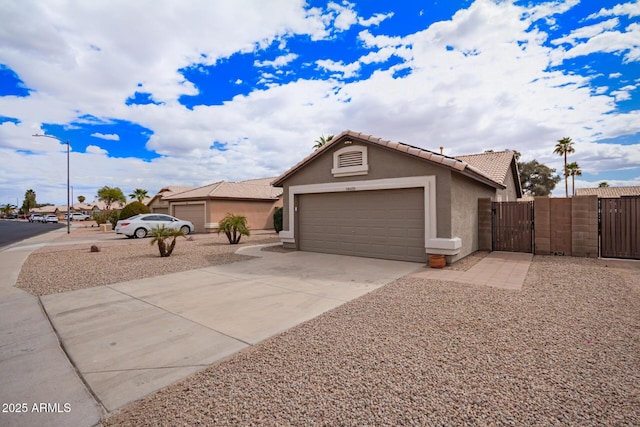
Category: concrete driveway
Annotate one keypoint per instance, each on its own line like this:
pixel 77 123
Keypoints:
pixel 132 338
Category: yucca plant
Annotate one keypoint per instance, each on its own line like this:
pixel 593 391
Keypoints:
pixel 160 234
pixel 234 226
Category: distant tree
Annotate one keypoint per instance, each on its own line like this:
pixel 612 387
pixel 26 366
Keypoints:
pixel 537 179
pixel 139 194
pixel 8 208
pixel 563 147
pixel 110 195
pixel 574 170
pixel 320 142
pixel 603 184
pixel 29 201
pixel 81 199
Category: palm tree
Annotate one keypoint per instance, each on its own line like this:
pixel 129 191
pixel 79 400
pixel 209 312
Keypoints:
pixel 160 234
pixel 320 142
pixel 603 184
pixel 574 170
pixel 562 148
pixel 139 194
pixel 234 226
pixel 81 199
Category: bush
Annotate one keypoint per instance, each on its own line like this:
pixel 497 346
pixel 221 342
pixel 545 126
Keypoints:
pixel 133 208
pixel 234 226
pixel 277 220
pixel 103 217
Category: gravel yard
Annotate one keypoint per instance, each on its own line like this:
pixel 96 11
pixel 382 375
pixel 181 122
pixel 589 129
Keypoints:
pixel 563 351
pixel 69 266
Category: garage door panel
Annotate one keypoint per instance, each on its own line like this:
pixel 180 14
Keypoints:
pixel 380 224
pixel 193 213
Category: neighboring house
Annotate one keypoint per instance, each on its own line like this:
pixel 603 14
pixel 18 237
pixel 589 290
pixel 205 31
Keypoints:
pixel 204 206
pixel 608 192
pixel 364 196
pixel 158 203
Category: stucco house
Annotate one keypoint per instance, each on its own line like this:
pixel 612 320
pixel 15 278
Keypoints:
pixel 609 192
pixel 364 196
pixel 204 206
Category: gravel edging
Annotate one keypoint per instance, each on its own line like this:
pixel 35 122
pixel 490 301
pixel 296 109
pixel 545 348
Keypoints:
pixel 563 351
pixel 67 267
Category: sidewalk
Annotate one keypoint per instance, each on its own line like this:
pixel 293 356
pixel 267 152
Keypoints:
pixel 505 270
pixel 37 383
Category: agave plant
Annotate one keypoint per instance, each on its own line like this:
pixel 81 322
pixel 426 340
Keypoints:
pixel 234 226
pixel 159 235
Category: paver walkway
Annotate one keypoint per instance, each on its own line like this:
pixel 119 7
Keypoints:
pixel 505 270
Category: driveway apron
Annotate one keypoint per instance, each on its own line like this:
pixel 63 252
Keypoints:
pixel 130 339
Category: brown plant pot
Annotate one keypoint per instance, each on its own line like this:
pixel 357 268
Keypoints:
pixel 437 261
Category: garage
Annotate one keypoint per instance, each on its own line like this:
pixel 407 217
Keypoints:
pixel 193 213
pixel 386 224
pixel 160 210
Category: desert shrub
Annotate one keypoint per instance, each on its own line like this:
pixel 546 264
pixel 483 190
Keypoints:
pixel 160 235
pixel 277 219
pixel 133 208
pixel 114 216
pixel 101 217
pixel 234 226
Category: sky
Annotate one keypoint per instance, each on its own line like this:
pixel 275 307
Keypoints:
pixel 152 93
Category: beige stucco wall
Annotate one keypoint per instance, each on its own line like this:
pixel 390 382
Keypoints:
pixel 465 193
pixel 259 213
pixel 383 163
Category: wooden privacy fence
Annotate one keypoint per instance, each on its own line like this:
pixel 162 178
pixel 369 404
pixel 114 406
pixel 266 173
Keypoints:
pixel 619 228
pixel 512 224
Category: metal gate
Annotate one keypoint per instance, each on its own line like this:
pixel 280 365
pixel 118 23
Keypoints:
pixel 512 226
pixel 620 228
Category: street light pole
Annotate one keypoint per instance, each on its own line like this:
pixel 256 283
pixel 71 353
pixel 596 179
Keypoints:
pixel 68 181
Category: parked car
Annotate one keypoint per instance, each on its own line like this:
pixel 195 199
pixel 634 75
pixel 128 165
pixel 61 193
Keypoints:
pixel 140 225
pixel 50 218
pixel 12 216
pixel 77 216
pixel 36 218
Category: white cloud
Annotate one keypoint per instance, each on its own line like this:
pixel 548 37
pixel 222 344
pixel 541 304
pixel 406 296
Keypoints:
pixel 108 136
pixel 278 62
pixel 94 149
pixel 343 70
pixel 629 9
pixel 480 80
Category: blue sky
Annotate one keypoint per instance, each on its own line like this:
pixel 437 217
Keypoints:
pixel 151 94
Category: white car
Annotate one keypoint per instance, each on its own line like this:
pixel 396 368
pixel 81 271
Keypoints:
pixel 76 216
pixel 140 225
pixel 36 218
pixel 51 218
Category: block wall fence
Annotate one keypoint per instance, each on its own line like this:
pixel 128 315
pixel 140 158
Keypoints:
pixel 562 226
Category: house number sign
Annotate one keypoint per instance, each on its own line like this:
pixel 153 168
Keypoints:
pixel 351 188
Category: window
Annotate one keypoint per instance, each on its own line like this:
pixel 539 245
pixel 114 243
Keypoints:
pixel 350 161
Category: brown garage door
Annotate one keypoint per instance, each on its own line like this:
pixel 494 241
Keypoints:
pixel 193 213
pixel 385 224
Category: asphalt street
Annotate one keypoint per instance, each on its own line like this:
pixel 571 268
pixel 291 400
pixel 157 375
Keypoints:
pixel 12 231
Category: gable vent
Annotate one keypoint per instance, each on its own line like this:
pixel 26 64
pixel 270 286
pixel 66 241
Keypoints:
pixel 352 158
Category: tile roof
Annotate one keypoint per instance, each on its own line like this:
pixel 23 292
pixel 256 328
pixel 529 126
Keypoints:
pixel 495 163
pixel 258 189
pixel 451 162
pixel 609 191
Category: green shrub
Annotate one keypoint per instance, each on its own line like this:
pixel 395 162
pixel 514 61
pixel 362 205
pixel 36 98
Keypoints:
pixel 133 208
pixel 234 226
pixel 114 216
pixel 277 219
pixel 104 217
pixel 101 217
